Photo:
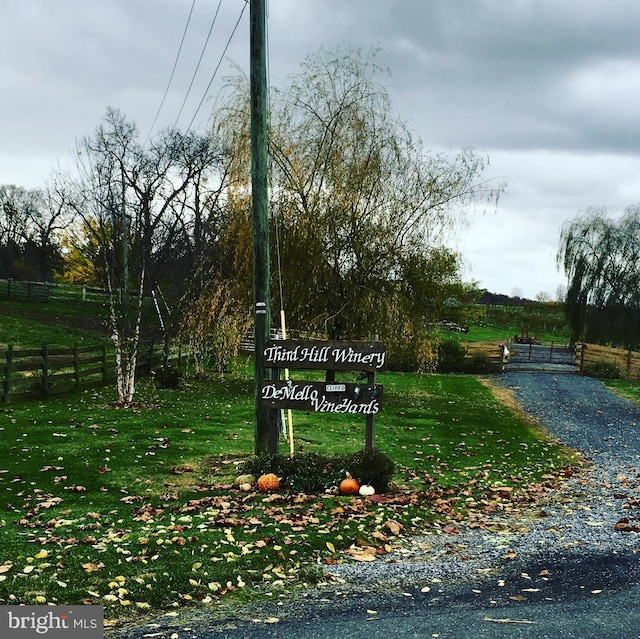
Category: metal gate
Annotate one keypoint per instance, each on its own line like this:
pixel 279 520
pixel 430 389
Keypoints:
pixel 551 357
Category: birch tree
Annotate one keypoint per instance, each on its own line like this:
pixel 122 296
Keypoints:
pixel 130 206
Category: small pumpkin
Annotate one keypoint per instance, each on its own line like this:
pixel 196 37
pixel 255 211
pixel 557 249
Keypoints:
pixel 268 483
pixel 366 490
pixel 349 485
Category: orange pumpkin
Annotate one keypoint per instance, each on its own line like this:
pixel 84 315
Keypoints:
pixel 268 483
pixel 349 486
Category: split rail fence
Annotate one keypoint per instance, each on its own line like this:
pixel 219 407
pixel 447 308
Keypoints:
pixel 28 291
pixel 48 370
pixel 628 361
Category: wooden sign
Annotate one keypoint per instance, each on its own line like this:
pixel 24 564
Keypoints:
pixel 324 397
pixel 329 396
pixel 320 355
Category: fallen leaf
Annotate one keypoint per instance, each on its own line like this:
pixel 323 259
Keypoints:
pixel 491 619
pixel 362 554
pixel 92 567
pixel 393 526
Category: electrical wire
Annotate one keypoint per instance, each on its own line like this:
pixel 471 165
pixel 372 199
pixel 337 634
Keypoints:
pixel 206 91
pixel 193 77
pixel 175 64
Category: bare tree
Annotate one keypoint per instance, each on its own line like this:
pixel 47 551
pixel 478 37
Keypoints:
pixel 28 228
pixel 131 203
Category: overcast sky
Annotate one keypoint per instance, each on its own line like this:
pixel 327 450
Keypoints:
pixel 548 89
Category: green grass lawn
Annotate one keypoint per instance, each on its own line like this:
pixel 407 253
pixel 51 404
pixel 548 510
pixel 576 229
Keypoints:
pixel 133 510
pixel 625 388
pixel 30 324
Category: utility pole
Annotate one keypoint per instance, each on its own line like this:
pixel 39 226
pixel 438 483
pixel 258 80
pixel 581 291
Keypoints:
pixel 266 431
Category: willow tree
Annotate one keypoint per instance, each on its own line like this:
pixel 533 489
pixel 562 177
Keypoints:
pixel 355 197
pixel 601 259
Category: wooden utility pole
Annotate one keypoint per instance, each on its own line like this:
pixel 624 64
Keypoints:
pixel 266 431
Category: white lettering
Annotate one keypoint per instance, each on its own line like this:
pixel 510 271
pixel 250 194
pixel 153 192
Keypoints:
pixel 280 354
pixel 346 405
pixel 41 624
pixel 351 356
pixel 293 392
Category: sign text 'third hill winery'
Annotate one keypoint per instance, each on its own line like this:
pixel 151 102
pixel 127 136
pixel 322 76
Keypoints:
pixel 343 356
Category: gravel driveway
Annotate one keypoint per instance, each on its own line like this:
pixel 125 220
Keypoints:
pixel 578 522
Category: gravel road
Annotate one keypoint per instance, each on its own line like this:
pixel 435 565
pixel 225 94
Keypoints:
pixel 580 519
pixel 567 558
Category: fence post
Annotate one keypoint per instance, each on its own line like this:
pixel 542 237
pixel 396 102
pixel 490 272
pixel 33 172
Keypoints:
pixel 370 427
pixel 45 369
pixel 76 365
pixel 583 348
pixel 7 375
pixel 629 363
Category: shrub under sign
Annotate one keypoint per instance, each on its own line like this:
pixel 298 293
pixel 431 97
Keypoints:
pixel 329 396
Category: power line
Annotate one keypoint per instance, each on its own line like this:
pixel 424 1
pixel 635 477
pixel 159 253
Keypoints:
pixel 175 64
pixel 193 77
pixel 206 91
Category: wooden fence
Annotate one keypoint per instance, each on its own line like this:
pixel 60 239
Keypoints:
pixel 492 350
pixel 28 291
pixel 38 372
pixel 627 361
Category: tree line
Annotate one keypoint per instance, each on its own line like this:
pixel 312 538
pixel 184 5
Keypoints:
pixel 358 209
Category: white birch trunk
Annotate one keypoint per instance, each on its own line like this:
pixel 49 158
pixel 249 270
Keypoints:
pixel 126 346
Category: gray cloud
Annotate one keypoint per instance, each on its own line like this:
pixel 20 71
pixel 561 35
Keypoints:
pixel 548 89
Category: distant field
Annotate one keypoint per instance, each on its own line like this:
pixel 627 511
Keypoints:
pixel 35 323
pixel 545 322
pixel 65 321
